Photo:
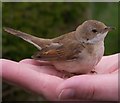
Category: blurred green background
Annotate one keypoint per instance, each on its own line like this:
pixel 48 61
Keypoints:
pixel 49 20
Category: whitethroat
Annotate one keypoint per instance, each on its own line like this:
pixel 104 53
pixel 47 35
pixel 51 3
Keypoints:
pixel 77 52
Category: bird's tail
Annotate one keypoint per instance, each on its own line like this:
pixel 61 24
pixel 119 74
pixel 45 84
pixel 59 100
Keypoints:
pixel 37 42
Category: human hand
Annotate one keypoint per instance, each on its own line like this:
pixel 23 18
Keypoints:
pixel 32 76
pixel 42 78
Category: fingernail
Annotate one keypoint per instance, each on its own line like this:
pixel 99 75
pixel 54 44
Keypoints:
pixel 66 94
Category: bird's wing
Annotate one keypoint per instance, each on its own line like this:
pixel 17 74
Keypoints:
pixel 69 51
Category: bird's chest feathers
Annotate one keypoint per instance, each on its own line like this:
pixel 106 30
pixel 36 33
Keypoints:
pixel 93 53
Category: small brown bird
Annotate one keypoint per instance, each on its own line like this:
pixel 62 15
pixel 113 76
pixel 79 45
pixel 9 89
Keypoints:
pixel 76 52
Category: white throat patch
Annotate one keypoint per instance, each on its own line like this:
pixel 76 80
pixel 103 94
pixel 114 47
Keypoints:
pixel 99 37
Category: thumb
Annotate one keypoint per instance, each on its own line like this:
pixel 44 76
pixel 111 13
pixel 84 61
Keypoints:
pixel 89 87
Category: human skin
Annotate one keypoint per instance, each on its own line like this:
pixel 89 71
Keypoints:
pixel 43 79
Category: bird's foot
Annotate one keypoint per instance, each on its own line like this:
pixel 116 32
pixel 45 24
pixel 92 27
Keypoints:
pixel 93 72
pixel 67 74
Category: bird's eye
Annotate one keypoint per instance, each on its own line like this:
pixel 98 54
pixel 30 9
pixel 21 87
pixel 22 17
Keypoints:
pixel 94 30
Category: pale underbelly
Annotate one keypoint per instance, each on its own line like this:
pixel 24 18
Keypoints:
pixel 76 66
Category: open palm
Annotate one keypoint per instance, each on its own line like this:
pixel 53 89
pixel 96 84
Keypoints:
pixel 42 78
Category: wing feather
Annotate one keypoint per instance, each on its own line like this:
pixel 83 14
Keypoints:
pixel 64 52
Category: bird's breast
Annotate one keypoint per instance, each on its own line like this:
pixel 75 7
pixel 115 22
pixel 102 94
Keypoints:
pixel 93 54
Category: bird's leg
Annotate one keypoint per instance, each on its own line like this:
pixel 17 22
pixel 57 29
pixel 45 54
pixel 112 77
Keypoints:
pixel 93 71
pixel 66 74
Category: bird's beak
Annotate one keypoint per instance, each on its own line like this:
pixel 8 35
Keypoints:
pixel 109 28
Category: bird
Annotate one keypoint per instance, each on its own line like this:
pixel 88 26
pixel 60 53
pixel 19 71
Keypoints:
pixel 76 52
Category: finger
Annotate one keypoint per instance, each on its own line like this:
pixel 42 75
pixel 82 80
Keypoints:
pixel 35 62
pixel 90 87
pixel 51 70
pixel 44 69
pixel 42 66
pixel 108 64
pixel 38 66
pixel 29 79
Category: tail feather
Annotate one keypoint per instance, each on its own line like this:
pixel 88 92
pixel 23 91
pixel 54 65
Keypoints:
pixel 37 42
